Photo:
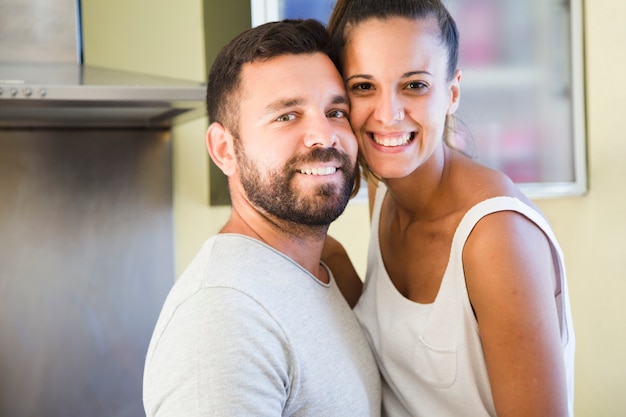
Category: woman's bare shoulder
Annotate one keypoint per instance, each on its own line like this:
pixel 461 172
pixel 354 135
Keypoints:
pixel 476 182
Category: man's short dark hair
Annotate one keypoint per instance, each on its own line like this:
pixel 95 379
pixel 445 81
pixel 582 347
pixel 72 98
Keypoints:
pixel 261 43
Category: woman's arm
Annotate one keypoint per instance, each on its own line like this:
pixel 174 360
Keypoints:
pixel 335 256
pixel 511 280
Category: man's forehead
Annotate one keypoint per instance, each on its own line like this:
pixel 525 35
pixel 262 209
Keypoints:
pixel 289 79
pixel 291 65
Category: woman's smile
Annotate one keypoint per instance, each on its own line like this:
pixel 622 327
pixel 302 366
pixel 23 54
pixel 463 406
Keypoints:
pixel 393 140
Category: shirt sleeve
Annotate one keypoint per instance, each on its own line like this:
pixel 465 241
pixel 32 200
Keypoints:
pixel 220 354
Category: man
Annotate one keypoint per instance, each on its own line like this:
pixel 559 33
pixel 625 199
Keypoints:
pixel 256 325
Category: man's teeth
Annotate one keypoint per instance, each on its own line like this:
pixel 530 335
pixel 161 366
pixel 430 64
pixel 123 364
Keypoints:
pixel 319 171
pixel 397 141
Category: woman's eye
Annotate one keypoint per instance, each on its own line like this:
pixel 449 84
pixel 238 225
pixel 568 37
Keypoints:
pixel 337 114
pixel 286 117
pixel 362 87
pixel 417 85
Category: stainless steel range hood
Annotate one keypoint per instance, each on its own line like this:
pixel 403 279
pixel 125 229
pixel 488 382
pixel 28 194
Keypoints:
pixel 65 94
pixel 44 82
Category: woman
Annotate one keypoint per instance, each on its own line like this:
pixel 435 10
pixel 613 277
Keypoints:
pixel 465 301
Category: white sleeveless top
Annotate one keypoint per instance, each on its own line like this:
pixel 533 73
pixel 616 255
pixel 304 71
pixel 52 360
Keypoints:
pixel 430 355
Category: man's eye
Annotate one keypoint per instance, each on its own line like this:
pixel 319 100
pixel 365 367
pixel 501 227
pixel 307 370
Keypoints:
pixel 336 114
pixel 285 117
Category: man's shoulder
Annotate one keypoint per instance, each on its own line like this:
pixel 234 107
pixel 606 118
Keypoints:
pixel 240 263
pixel 227 247
pixel 227 257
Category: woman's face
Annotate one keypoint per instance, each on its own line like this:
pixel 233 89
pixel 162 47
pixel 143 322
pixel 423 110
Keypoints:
pixel 395 74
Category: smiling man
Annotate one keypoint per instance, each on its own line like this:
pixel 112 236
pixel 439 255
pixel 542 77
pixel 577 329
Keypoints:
pixel 256 325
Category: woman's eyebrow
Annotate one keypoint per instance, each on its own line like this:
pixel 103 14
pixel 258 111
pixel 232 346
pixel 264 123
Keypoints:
pixel 412 73
pixel 364 76
pixel 405 75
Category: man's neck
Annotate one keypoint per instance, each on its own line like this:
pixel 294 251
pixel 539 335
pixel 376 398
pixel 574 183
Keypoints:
pixel 301 243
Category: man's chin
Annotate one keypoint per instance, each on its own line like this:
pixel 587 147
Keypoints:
pixel 323 209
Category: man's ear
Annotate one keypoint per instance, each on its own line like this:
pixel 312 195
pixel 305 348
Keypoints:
pixel 219 143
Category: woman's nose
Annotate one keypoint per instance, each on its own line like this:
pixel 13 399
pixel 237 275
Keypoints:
pixel 389 110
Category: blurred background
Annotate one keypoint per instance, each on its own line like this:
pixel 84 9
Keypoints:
pixel 539 99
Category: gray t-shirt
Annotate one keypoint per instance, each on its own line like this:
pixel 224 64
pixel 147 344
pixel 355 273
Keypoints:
pixel 248 332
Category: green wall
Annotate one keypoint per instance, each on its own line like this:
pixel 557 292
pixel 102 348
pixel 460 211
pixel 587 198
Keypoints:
pixel 179 38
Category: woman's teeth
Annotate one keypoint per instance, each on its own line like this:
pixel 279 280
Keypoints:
pixel 397 141
pixel 319 171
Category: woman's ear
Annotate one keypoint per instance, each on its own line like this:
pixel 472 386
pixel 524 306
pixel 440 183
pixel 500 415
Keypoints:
pixel 219 143
pixel 455 92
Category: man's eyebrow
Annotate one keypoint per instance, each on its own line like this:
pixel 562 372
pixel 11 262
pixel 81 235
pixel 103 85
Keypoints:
pixel 340 99
pixel 282 104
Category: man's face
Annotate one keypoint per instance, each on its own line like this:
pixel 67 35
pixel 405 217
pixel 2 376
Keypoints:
pixel 296 150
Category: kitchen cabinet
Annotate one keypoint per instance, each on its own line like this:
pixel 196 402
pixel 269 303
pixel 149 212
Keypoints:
pixel 522 97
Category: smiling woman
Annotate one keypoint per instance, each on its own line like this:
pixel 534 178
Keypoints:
pixel 512 81
pixel 465 297
pixel 379 94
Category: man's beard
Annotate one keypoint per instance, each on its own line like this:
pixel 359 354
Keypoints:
pixel 275 192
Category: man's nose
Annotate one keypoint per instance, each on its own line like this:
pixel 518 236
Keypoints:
pixel 320 132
